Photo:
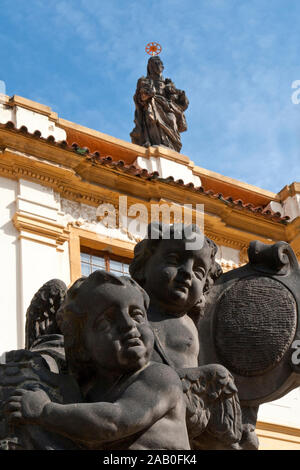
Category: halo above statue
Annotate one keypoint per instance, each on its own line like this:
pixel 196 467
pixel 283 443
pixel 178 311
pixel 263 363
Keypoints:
pixel 153 48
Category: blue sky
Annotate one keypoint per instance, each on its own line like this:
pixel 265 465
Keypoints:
pixel 236 60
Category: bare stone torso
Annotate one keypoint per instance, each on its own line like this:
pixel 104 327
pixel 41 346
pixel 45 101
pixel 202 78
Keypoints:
pixel 179 340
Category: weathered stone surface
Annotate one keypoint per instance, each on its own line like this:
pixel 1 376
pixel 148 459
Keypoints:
pixel 178 357
pixel 255 325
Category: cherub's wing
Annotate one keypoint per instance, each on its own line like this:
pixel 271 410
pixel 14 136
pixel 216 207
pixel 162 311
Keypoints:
pixel 225 419
pixel 41 313
pixel 197 414
pixel 212 403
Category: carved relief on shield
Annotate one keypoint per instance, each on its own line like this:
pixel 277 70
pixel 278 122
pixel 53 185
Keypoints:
pixel 253 323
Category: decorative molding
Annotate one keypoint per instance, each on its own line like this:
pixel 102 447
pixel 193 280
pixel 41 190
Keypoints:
pixel 228 266
pixel 293 236
pixel 220 240
pixel 244 255
pixel 49 176
pixel 277 437
pixel 289 190
pixel 41 227
pixel 85 216
pixel 223 224
pixel 38 108
pixel 74 255
pixel 78 211
pixel 280 428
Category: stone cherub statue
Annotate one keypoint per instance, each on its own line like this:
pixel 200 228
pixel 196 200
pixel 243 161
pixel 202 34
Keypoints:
pixel 90 352
pixel 159 109
pixel 125 401
pixel 108 344
pixel 177 281
pixel 246 320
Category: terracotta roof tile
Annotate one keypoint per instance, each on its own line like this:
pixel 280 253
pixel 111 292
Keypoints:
pixel 96 159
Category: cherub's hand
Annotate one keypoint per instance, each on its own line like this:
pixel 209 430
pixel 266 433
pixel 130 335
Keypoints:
pixel 26 405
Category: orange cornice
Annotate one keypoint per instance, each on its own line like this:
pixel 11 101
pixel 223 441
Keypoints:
pixel 116 148
pixel 96 170
pixel 289 190
pixel 122 150
pixel 97 141
pixel 92 181
pixel 230 187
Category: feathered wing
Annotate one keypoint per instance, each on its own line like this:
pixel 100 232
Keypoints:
pixel 41 313
pixel 212 403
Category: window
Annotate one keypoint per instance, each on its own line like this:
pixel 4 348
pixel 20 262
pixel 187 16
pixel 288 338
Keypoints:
pixel 91 262
pixel 118 268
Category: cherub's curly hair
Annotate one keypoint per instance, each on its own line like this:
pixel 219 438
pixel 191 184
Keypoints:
pixel 73 314
pixel 40 315
pixel 145 249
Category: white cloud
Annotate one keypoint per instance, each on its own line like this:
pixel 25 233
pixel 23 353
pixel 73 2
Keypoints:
pixel 236 61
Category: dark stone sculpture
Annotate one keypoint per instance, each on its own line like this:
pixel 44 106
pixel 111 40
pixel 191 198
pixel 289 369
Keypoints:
pixel 123 401
pixel 41 313
pixel 98 375
pixel 159 109
pixel 251 325
pixel 41 365
pixel 177 281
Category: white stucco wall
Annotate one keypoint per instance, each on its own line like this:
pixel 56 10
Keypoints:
pixel 30 260
pixel 40 257
pixel 228 258
pixel 285 411
pixel 10 270
pixel 40 263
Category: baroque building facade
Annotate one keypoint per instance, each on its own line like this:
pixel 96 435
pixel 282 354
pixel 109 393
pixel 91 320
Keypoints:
pixel 54 176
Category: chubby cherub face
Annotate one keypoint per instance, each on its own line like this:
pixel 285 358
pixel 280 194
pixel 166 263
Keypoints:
pixel 175 277
pixel 117 333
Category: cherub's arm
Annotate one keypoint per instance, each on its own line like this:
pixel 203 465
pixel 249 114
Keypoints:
pixel 146 400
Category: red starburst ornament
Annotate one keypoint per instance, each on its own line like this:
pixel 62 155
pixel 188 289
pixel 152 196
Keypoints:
pixel 153 48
